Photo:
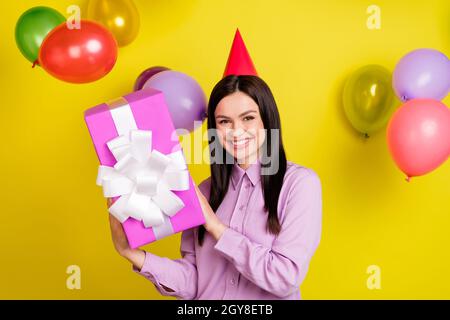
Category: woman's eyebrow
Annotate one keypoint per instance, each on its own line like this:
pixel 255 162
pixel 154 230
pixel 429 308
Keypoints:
pixel 241 115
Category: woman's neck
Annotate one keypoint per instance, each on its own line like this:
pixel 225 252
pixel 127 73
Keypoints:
pixel 245 164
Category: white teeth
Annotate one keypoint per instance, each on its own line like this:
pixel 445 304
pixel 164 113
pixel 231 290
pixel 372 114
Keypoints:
pixel 240 142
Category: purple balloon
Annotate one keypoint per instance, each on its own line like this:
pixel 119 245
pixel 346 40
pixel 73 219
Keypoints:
pixel 184 96
pixel 422 73
pixel 147 74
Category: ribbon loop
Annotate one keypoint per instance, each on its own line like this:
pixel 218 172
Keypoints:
pixel 144 178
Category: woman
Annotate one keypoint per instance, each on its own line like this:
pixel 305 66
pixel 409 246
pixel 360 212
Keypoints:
pixel 263 213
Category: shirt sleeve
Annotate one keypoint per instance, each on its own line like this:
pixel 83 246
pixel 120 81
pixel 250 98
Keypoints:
pixel 180 275
pixel 282 268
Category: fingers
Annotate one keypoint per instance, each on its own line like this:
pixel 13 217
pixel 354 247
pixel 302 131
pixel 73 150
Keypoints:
pixel 115 224
pixel 110 201
pixel 199 193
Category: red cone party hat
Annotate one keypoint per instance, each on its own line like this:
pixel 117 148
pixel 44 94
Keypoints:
pixel 239 61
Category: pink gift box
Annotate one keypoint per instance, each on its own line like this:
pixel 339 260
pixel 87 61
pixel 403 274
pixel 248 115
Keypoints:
pixel 150 112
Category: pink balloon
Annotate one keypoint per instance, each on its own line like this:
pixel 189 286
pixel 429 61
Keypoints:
pixel 418 136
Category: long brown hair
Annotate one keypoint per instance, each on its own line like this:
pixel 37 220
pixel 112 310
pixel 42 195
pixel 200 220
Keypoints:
pixel 260 92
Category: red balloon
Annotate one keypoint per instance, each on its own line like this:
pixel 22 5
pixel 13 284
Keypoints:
pixel 418 136
pixel 78 55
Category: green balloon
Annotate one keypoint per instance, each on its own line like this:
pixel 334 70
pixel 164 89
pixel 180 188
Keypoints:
pixel 32 27
pixel 369 99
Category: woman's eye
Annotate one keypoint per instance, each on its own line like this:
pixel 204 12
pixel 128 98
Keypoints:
pixel 249 118
pixel 223 121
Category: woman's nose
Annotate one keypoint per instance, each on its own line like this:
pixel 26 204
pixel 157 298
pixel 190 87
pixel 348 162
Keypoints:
pixel 237 131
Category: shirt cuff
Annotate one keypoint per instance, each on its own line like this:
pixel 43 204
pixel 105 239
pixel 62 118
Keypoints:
pixel 228 242
pixel 153 264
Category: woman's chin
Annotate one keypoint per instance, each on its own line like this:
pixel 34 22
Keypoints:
pixel 242 157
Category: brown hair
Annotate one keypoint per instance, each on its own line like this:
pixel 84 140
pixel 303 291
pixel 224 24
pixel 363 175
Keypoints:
pixel 260 92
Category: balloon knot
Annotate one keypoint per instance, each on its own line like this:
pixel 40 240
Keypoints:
pixel 366 135
pixel 35 63
pixel 408 179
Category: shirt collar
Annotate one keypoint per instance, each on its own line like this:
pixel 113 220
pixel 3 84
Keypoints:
pixel 253 173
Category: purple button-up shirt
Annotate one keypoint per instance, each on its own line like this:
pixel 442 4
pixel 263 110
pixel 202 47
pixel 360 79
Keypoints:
pixel 247 262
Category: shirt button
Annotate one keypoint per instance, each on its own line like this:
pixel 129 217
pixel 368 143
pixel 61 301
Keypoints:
pixel 233 282
pixel 247 186
pixel 242 207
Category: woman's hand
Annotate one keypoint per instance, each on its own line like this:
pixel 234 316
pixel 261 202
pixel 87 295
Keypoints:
pixel 120 241
pixel 135 256
pixel 212 223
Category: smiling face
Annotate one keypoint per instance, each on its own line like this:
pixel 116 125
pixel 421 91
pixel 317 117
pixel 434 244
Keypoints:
pixel 240 127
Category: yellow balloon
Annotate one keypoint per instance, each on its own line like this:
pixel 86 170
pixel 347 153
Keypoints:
pixel 369 99
pixel 121 17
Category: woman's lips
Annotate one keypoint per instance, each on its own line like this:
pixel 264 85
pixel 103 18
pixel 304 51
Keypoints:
pixel 241 143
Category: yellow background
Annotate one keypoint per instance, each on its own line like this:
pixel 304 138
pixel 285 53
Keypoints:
pixel 53 215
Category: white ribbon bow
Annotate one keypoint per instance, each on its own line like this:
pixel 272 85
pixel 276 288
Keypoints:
pixel 144 179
